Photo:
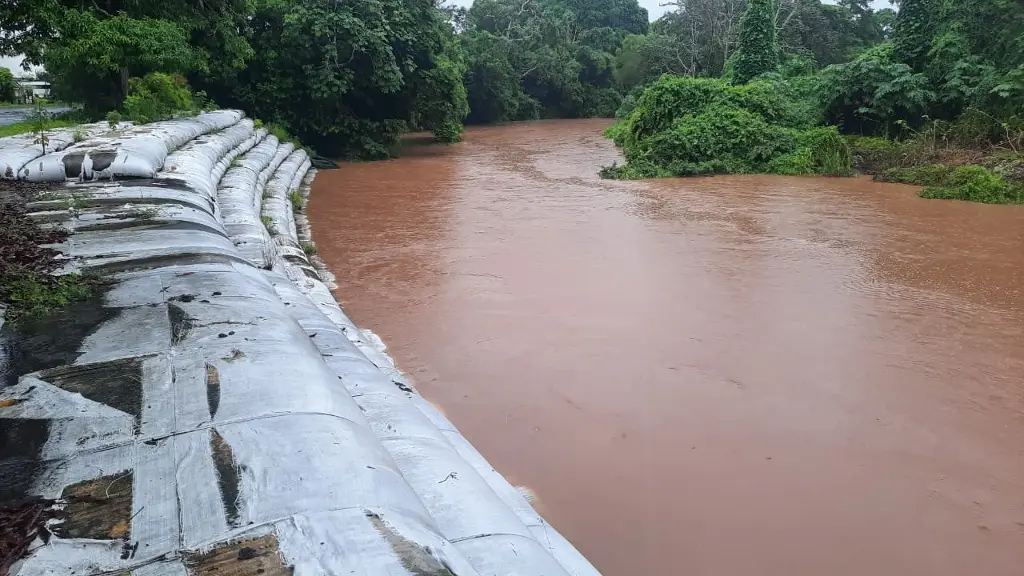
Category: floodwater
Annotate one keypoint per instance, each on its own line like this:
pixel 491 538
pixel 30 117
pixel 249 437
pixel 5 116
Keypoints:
pixel 722 376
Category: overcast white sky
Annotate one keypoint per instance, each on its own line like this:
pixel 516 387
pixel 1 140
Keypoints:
pixel 655 8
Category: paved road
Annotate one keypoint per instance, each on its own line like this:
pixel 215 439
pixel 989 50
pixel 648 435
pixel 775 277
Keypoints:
pixel 10 116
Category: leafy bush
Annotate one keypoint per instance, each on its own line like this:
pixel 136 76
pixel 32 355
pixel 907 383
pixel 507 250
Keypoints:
pixel 873 94
pixel 977 184
pixel 722 139
pixel 871 154
pixel 758 52
pixel 830 154
pixel 8 86
pixel 927 175
pixel 157 96
pixel 113 119
pixel 691 126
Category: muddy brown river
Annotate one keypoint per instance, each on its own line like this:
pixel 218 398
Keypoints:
pixel 722 376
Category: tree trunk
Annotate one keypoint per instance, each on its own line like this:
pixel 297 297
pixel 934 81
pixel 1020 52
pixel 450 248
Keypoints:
pixel 124 83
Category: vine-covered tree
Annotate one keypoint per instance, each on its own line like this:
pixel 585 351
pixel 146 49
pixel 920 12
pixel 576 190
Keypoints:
pixel 758 48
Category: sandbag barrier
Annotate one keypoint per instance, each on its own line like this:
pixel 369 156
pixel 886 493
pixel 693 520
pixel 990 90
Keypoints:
pixel 212 409
pixel 137 152
pixel 17 151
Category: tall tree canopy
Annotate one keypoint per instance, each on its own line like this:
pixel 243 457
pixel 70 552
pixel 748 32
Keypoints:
pixel 545 58
pixel 93 48
pixel 349 76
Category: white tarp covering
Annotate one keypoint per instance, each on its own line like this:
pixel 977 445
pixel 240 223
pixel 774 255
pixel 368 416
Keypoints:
pixel 218 408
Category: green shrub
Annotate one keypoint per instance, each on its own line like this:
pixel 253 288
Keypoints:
pixel 793 164
pixel 829 151
pixel 719 140
pixel 976 184
pixel 927 175
pixel 309 248
pixel 113 119
pixel 449 132
pixel 157 96
pixel 617 132
pixel 872 154
pixel 692 126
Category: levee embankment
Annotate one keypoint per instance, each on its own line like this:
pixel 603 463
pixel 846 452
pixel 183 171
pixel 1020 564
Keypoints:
pixel 211 410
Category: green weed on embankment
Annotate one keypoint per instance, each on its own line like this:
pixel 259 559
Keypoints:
pixel 27 286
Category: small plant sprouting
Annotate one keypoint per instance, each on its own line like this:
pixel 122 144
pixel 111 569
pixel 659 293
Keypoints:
pixel 39 118
pixel 113 119
pixel 296 199
pixel 309 248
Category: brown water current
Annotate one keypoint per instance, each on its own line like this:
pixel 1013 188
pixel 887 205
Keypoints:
pixel 722 376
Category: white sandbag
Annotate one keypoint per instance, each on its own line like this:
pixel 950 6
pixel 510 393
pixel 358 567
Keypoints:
pixel 196 163
pixel 239 195
pixel 16 151
pixel 138 152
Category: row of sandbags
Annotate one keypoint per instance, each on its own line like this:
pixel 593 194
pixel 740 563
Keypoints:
pixel 135 152
pixel 17 151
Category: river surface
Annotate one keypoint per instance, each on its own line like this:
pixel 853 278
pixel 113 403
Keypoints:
pixel 723 376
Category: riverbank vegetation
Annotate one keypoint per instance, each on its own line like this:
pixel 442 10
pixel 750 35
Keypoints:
pixel 713 86
pixel 931 95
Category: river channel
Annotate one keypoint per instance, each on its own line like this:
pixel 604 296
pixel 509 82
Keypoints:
pixel 718 376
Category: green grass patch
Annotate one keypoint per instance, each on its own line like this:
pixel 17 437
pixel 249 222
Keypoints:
pixel 27 126
pixel 971 182
pixel 309 248
pixel 296 199
pixel 976 184
pixel 34 294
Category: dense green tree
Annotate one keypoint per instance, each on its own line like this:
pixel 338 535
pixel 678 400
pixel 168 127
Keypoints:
pixel 913 31
pixel 549 58
pixel 8 86
pixel 93 48
pixel 348 77
pixel 758 48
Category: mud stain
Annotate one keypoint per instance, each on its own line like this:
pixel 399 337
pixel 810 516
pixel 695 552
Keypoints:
pixel 99 509
pixel 212 389
pixel 21 443
pixel 117 383
pixel 418 560
pixel 253 557
pixel 227 475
